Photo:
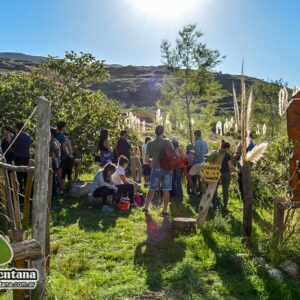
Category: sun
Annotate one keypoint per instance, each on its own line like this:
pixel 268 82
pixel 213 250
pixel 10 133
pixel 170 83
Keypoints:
pixel 164 9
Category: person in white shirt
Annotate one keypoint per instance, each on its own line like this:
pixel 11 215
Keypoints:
pixel 125 185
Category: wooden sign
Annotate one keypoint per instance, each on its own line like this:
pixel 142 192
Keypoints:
pixel 210 173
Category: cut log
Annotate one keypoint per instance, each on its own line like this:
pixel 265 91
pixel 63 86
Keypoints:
pixel 26 250
pixel 183 224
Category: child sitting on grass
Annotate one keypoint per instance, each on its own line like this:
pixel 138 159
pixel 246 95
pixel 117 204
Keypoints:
pixel 119 179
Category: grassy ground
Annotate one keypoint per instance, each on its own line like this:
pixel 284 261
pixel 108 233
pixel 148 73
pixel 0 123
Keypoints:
pixel 126 255
pixel 133 256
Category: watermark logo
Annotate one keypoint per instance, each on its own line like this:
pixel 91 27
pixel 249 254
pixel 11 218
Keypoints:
pixel 6 252
pixel 14 278
pixel 18 278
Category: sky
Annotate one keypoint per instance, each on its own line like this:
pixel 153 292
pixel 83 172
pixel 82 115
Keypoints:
pixel 129 32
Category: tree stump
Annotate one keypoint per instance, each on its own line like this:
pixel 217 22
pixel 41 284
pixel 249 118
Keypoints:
pixel 184 224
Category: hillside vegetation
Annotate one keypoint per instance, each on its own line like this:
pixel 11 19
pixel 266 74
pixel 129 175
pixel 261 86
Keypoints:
pixel 131 85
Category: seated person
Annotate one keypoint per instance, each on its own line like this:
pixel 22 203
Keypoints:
pixel 102 185
pixel 119 177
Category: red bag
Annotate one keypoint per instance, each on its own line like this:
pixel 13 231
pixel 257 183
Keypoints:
pixel 124 204
pixel 169 158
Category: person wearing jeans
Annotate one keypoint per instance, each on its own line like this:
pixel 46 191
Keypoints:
pixel 159 178
pixel 226 169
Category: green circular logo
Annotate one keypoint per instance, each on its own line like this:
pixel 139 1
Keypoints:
pixel 6 252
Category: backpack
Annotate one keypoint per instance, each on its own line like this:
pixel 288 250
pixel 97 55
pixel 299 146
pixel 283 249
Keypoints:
pixel 139 199
pixel 169 158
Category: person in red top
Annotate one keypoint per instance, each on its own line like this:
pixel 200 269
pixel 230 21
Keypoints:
pixel 178 173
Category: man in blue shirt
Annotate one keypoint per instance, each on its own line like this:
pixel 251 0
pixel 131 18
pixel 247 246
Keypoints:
pixel 201 149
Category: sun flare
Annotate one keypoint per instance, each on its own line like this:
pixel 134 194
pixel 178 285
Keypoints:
pixel 164 9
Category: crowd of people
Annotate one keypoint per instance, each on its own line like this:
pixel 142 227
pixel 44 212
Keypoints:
pixel 146 161
pixel 122 168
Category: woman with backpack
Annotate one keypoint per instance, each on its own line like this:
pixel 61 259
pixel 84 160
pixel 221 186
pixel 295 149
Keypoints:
pixel 178 173
pixel 104 149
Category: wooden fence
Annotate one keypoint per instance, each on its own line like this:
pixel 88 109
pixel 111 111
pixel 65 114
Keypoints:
pixel 28 251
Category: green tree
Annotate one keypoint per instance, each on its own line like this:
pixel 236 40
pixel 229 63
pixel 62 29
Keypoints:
pixel 265 106
pixel 191 63
pixel 65 83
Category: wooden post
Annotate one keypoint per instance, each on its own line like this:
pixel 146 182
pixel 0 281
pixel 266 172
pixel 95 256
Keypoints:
pixel 27 193
pixel 208 196
pixel 47 246
pixel 278 221
pixel 10 207
pixel 248 200
pixel 19 263
pixel 15 196
pixel 3 202
pixel 40 203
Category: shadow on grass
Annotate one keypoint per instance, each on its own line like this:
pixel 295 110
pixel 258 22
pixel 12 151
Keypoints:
pixel 67 211
pixel 264 224
pixel 180 209
pixel 230 270
pixel 159 251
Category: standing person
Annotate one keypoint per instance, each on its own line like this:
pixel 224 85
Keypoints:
pixel 159 177
pixel 21 153
pixel 54 154
pixel 102 185
pixel 5 143
pixel 146 165
pixel 67 160
pixel 104 149
pixel 226 169
pixel 135 165
pixel 201 149
pixel 178 173
pixel 123 146
pixel 189 158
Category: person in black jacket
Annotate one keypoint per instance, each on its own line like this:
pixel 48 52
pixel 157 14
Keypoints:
pixel 6 141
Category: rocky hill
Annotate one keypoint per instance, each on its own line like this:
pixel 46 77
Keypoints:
pixel 131 85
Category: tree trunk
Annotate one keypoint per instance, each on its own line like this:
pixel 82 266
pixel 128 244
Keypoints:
pixel 188 111
pixel 248 200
